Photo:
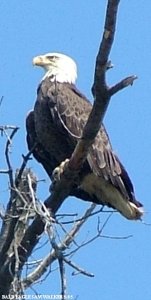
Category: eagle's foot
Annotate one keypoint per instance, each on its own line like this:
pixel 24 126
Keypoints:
pixel 58 171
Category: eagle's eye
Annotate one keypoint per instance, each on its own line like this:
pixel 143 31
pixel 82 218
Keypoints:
pixel 52 57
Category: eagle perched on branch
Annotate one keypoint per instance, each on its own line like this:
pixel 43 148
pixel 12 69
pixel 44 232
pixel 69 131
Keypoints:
pixel 55 126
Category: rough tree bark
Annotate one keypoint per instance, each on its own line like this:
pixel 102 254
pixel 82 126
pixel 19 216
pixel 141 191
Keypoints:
pixel 19 235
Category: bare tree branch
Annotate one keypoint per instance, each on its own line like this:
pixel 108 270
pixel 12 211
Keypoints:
pixel 122 84
pixel 7 127
pixel 10 170
pixel 77 268
pixel 26 158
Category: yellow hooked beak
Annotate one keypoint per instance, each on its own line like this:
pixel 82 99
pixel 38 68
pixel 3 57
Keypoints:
pixel 39 61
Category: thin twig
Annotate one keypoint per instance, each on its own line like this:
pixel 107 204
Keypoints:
pixel 66 215
pixel 11 180
pixel 93 238
pixel 7 127
pixel 76 220
pixel 4 171
pixel 1 100
pixel 77 268
pixel 111 237
pixel 26 158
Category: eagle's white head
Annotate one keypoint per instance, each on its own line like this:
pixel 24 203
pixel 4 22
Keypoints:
pixel 59 67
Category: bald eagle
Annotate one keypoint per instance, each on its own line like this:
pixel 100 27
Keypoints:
pixel 55 126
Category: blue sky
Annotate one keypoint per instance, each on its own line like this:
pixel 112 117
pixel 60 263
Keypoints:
pixel 29 28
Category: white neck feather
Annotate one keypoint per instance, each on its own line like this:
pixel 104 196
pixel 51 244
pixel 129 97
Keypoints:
pixel 60 76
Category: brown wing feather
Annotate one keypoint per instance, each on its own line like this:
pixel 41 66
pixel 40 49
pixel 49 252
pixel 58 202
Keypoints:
pixel 42 156
pixel 71 111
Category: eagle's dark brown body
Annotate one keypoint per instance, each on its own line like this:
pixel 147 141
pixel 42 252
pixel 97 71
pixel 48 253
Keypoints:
pixel 56 125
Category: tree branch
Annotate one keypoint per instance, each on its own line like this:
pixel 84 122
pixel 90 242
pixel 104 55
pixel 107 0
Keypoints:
pixel 9 141
pixel 122 84
pixel 77 268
